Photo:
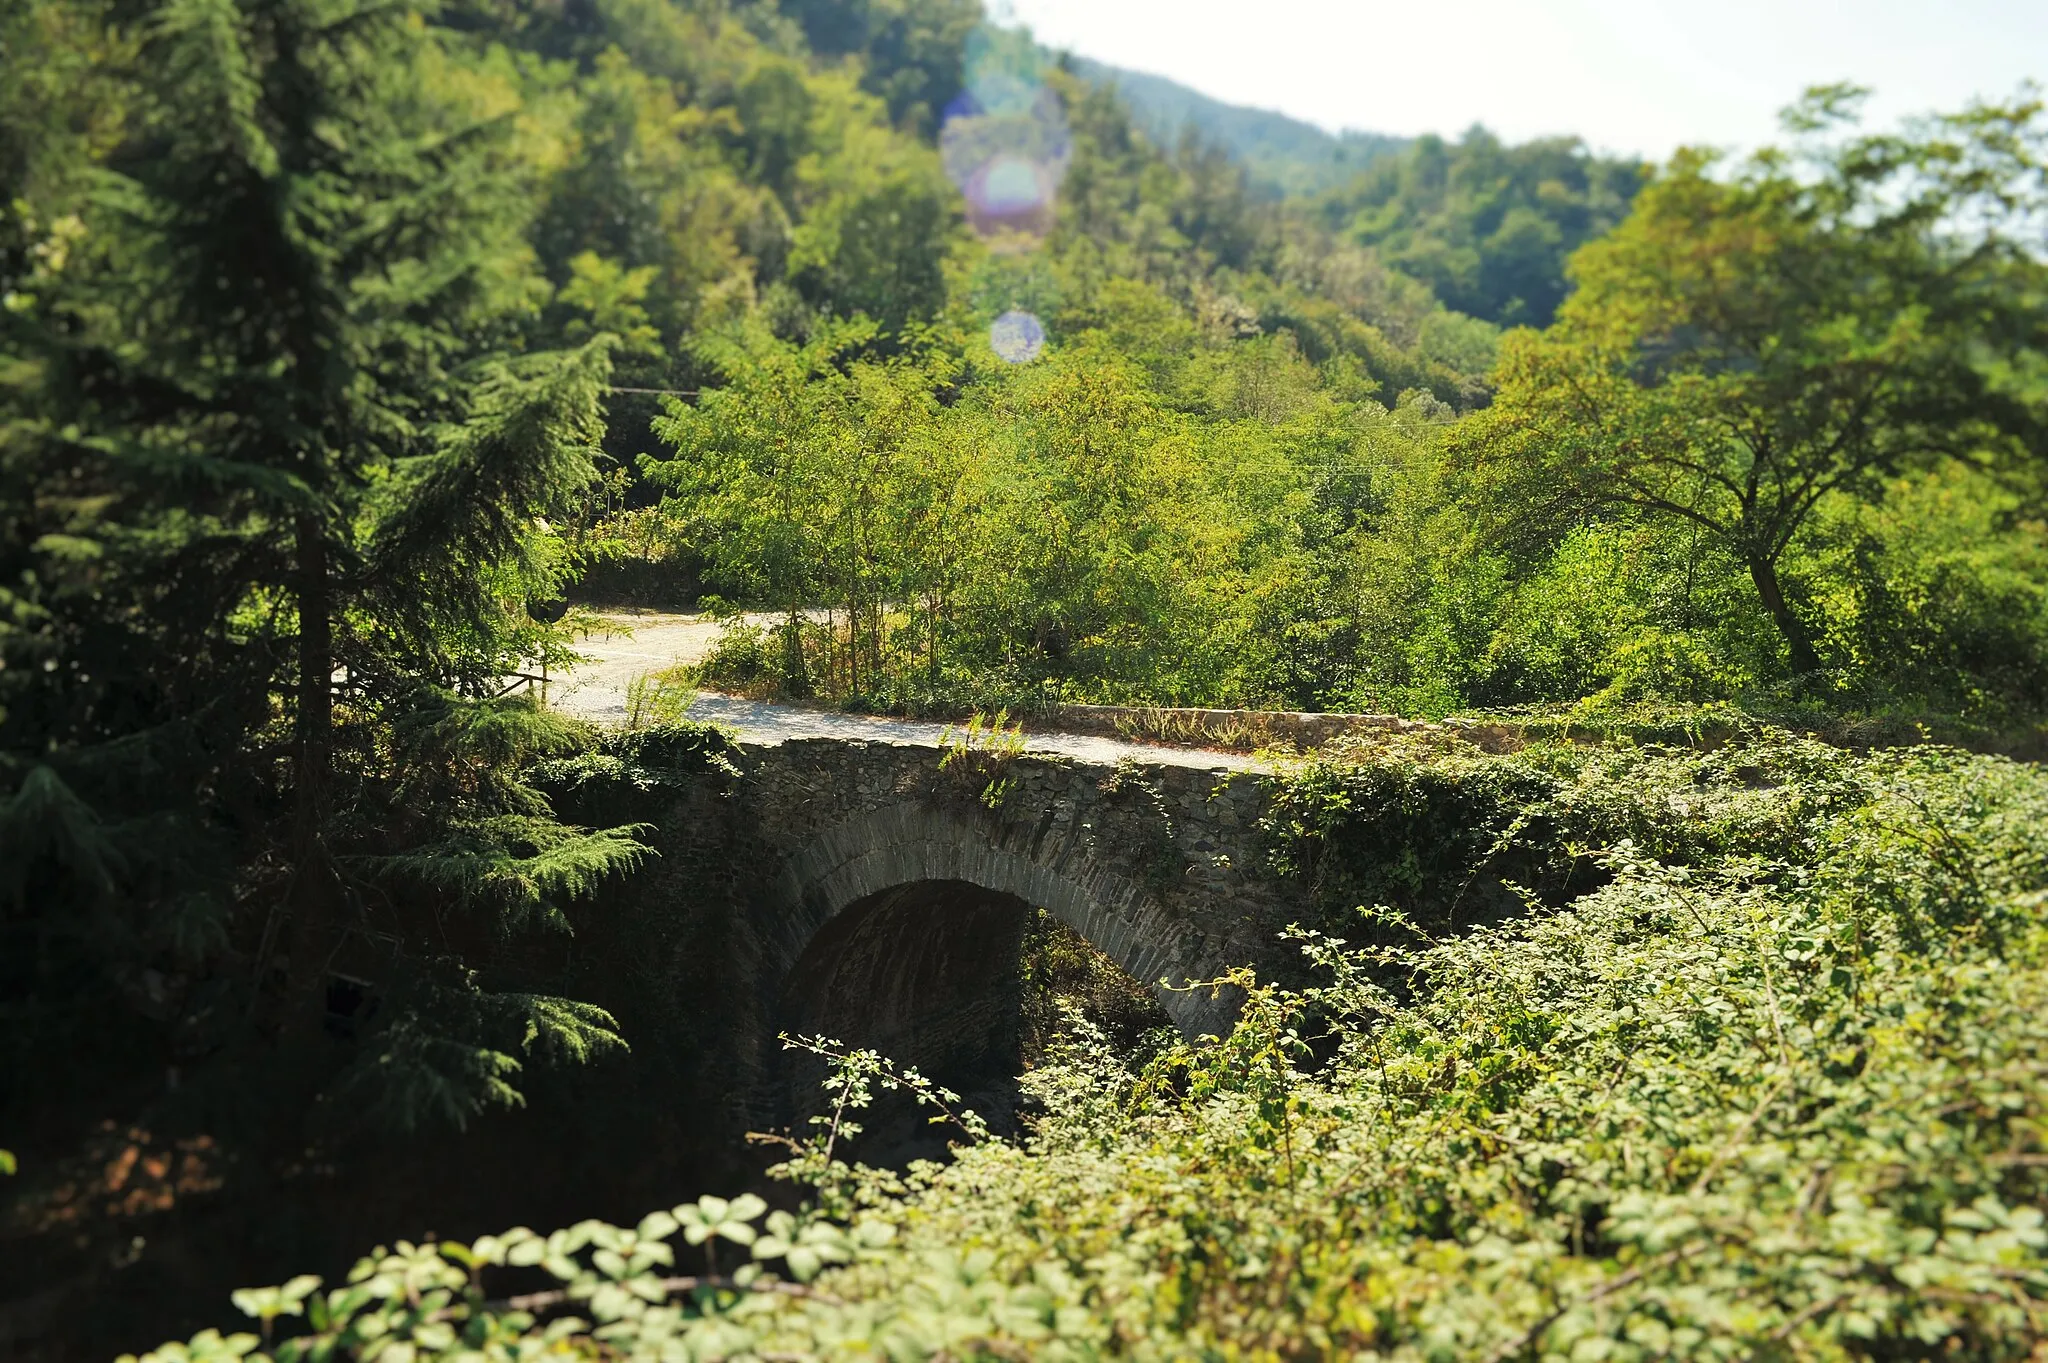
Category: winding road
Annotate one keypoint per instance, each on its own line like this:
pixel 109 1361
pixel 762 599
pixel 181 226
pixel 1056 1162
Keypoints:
pixel 639 642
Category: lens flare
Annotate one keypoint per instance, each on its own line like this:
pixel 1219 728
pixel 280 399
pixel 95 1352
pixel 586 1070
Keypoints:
pixel 1005 141
pixel 1016 337
pixel 1011 185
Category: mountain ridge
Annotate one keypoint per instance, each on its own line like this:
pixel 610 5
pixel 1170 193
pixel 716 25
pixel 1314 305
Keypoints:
pixel 1282 155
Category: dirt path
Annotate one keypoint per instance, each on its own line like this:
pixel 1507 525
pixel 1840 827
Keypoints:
pixel 640 642
pixel 597 691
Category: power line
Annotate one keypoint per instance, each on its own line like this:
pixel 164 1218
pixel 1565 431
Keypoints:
pixel 677 392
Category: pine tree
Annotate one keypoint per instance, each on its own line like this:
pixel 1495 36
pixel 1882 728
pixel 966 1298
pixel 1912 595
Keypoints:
pixel 270 450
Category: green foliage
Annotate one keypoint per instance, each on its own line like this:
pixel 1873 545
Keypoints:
pixel 1769 1091
pixel 1487 227
pixel 911 48
pixel 493 846
pixel 651 757
pixel 526 447
pixel 760 467
pixel 1936 590
pixel 745 660
pixel 1166 509
pixel 980 753
pixel 852 1079
pixel 519 866
pixel 452 1050
pixel 660 698
pixel 428 1300
pixel 1071 991
pixel 877 245
pixel 1280 155
pixel 331 336
pixel 284 435
pixel 1082 528
pixel 44 820
pixel 1741 351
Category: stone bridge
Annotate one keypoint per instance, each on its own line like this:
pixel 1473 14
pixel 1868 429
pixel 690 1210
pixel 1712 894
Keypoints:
pixel 857 889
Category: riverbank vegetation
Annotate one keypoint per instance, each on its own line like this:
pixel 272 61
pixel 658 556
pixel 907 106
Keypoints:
pixel 347 349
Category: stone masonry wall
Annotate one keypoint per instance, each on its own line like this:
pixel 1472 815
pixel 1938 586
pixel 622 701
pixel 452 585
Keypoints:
pixel 704 954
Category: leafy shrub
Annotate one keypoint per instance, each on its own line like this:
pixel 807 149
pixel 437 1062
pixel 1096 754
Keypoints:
pixel 980 753
pixel 744 661
pixel 661 697
pixel 1769 1087
pixel 654 757
pixel 1066 977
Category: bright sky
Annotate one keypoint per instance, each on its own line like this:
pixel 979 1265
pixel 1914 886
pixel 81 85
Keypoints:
pixel 1639 76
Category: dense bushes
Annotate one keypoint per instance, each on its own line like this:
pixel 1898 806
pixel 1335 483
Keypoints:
pixel 1769 1087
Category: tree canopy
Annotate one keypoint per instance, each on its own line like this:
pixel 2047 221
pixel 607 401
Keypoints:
pixel 1740 349
pixel 1488 227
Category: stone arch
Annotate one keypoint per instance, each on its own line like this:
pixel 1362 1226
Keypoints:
pixel 924 972
pixel 864 858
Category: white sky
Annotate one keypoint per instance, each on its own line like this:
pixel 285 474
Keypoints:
pixel 1640 76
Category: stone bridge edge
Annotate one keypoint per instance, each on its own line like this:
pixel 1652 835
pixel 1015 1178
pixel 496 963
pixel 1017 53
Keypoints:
pixel 920 839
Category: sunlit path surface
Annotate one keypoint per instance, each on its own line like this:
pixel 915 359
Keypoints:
pixel 597 691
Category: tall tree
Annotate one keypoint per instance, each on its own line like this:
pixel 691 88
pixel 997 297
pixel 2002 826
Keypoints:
pixel 755 463
pixel 1745 346
pixel 912 48
pixel 270 418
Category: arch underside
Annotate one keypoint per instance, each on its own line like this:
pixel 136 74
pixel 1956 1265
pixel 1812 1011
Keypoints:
pixel 904 846
pixel 925 973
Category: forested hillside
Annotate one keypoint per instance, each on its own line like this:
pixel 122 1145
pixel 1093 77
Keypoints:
pixel 1488 227
pixel 351 353
pixel 1280 155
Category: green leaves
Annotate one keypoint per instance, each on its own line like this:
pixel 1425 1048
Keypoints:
pixel 806 1247
pixel 715 1218
pixel 460 527
pixel 1487 226
pixel 202 46
pixel 521 869
pixel 426 1301
pixel 323 442
pixel 1713 1103
pixel 208 1346
pixel 452 1049
pixel 45 819
pixel 1746 348
pixel 981 752
pixel 266 1304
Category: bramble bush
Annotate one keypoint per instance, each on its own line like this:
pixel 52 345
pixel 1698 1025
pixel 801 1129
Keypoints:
pixel 1761 1077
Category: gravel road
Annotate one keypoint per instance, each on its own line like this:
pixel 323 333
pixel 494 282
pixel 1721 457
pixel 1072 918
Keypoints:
pixel 597 691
